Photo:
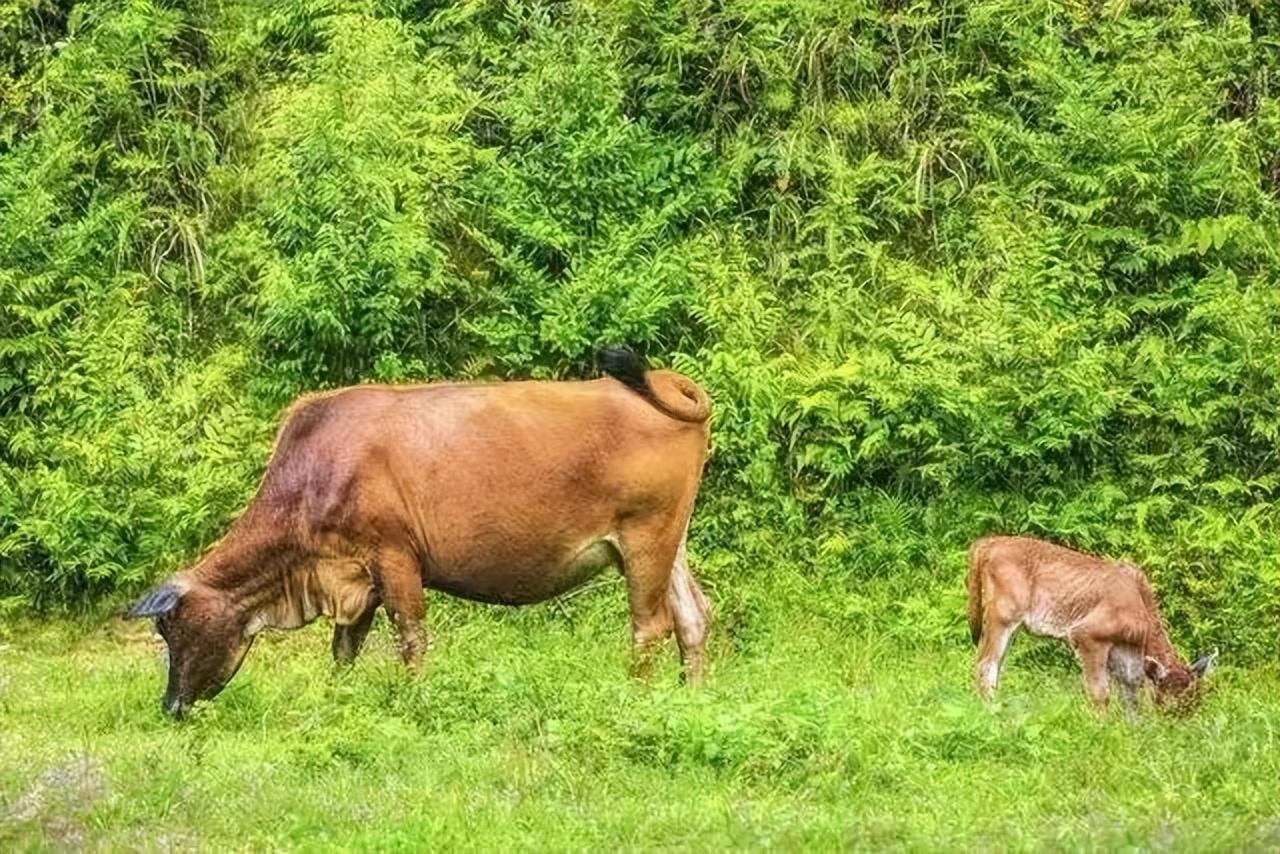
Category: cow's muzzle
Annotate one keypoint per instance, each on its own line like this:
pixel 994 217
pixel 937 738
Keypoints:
pixel 174 708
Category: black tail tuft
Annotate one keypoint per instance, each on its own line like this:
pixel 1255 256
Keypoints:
pixel 624 365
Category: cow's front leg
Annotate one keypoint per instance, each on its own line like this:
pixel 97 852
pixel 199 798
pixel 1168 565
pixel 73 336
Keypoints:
pixel 1126 669
pixel 400 586
pixel 1129 694
pixel 347 639
pixel 1093 655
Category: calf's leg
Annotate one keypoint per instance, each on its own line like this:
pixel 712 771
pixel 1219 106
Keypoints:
pixel 996 634
pixel 1125 663
pixel 1129 694
pixel 1093 655
pixel 690 612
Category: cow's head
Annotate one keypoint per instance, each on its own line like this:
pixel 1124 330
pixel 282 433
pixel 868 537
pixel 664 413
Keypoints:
pixel 1177 686
pixel 206 638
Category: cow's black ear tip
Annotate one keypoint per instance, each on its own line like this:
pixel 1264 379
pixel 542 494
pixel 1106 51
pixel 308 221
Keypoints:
pixel 155 603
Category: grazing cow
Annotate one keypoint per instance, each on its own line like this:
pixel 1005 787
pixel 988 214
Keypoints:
pixel 1106 611
pixel 508 493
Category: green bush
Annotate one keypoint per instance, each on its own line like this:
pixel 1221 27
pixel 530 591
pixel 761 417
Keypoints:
pixel 946 268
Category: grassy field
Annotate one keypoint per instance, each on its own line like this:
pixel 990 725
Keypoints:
pixel 945 268
pixel 814 732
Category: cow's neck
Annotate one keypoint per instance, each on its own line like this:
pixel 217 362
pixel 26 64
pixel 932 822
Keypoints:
pixel 294 600
pixel 338 588
pixel 272 587
pixel 277 584
pixel 1157 645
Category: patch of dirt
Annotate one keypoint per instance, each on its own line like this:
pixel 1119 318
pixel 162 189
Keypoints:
pixel 58 800
pixel 160 843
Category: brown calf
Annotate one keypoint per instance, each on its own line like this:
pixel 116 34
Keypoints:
pixel 1106 611
pixel 506 492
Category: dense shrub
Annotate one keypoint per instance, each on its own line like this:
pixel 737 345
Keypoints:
pixel 946 267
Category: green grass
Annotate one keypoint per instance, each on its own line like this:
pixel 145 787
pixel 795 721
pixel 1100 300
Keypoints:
pixel 814 732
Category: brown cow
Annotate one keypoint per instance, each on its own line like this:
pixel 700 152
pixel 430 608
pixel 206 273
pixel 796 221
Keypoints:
pixel 1106 611
pixel 505 492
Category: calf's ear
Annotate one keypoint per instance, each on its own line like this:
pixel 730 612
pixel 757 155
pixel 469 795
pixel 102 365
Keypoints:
pixel 1204 664
pixel 158 602
pixel 1155 670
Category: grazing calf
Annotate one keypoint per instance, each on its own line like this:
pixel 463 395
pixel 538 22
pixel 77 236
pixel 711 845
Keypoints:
pixel 502 492
pixel 1106 611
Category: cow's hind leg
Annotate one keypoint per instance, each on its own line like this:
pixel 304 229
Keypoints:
pixel 691 615
pixel 649 556
pixel 996 634
pixel 347 639
pixel 399 583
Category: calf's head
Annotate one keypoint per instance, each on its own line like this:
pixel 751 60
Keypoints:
pixel 1177 686
pixel 205 635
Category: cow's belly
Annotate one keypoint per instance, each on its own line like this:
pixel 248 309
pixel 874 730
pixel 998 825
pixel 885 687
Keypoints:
pixel 1046 626
pixel 520 579
pixel 1046 618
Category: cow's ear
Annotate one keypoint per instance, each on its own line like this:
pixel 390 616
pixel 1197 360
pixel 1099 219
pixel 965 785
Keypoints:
pixel 1156 670
pixel 1204 664
pixel 158 602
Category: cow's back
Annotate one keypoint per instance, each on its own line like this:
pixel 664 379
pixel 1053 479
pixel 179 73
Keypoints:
pixel 1054 588
pixel 482 481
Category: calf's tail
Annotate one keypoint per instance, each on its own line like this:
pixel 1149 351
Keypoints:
pixel 690 403
pixel 974 583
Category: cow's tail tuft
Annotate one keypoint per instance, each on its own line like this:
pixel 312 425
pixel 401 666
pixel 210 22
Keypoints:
pixel 683 400
pixel 626 366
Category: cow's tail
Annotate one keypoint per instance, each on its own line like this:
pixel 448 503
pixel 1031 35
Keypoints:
pixel 974 584
pixel 688 402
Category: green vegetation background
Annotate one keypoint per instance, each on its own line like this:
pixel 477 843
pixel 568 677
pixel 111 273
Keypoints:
pixel 945 267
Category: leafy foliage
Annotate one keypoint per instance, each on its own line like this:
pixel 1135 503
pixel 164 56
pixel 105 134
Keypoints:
pixel 945 267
